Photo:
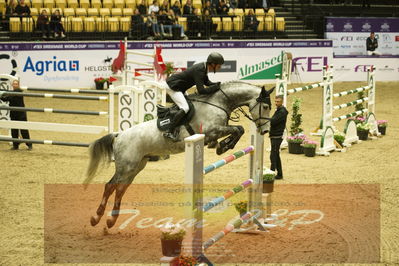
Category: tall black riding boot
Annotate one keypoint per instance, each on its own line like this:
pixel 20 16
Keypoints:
pixel 173 132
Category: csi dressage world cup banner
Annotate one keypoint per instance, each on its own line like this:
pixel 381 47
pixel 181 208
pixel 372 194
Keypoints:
pixel 349 35
pixel 77 64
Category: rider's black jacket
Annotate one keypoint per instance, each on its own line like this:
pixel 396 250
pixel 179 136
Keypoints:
pixel 195 75
pixel 278 122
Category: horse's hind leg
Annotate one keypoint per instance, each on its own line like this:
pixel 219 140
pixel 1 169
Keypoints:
pixel 121 189
pixel 108 190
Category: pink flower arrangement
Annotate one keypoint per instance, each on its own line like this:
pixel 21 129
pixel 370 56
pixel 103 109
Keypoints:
pixel 296 138
pixel 307 143
pixel 358 119
pixel 382 123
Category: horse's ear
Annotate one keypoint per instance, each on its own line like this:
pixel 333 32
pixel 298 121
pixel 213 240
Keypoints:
pixel 271 90
pixel 263 92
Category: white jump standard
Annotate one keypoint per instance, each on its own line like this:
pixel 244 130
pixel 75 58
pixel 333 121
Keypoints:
pixel 194 174
pixel 350 130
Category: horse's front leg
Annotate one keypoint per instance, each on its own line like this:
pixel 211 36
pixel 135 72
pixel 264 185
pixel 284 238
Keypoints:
pixel 234 134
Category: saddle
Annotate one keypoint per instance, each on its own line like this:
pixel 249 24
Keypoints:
pixel 166 117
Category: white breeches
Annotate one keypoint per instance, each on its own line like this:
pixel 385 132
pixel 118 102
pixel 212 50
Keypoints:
pixel 178 99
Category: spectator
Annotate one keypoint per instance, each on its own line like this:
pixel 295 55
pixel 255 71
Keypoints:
pixel 194 23
pixel 11 9
pixel 188 8
pixel 372 45
pixel 177 8
pixel 56 24
pixel 165 6
pixel 232 4
pixel 139 27
pixel 208 7
pixel 22 9
pixel 251 22
pixel 152 22
pixel 222 9
pixel 10 12
pixel 17 101
pixel 175 24
pixel 210 28
pixel 142 8
pixel 154 7
pixel 43 24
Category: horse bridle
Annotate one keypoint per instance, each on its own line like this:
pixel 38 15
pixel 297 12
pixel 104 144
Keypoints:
pixel 259 100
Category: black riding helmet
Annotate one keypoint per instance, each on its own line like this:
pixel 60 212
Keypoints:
pixel 215 58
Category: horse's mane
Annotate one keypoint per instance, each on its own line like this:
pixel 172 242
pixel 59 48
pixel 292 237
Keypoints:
pixel 224 85
pixel 237 81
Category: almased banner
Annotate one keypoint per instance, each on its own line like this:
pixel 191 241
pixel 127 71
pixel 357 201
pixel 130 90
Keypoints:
pixel 76 65
pixel 349 34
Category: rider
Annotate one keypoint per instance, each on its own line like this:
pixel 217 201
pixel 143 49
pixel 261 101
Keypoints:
pixel 196 75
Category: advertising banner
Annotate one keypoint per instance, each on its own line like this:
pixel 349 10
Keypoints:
pixel 76 65
pixel 349 35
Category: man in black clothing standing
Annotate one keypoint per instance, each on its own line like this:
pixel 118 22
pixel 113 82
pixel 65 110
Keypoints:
pixel 17 101
pixel 277 126
pixel 372 45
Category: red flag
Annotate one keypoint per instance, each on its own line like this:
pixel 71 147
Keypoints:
pixel 159 65
pixel 112 79
pixel 137 74
pixel 119 62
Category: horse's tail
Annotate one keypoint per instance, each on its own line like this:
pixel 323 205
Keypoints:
pixel 99 151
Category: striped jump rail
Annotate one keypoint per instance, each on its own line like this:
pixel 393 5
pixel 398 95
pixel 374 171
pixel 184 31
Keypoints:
pixel 229 227
pixel 227 160
pixel 305 88
pixel 65 90
pixel 227 195
pixel 59 96
pixel 340 94
pixel 344 105
pixel 342 117
pixel 51 110
pixel 46 142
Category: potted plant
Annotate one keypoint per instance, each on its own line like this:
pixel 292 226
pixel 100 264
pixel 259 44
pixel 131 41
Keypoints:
pixel 363 130
pixel 100 83
pixel 268 180
pixel 241 207
pixel 309 147
pixel 339 138
pixel 171 239
pixel 187 261
pixel 382 126
pixel 294 143
pixel 296 118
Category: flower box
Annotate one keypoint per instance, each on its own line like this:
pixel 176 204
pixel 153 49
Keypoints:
pixel 309 151
pixel 295 148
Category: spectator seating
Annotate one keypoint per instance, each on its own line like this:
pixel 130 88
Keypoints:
pixel 114 16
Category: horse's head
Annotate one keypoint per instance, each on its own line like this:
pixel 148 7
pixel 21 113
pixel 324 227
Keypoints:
pixel 260 111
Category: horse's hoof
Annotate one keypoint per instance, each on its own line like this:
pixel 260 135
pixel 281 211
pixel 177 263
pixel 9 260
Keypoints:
pixel 111 222
pixel 94 221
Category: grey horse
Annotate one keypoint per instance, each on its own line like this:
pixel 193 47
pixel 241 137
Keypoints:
pixel 132 148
